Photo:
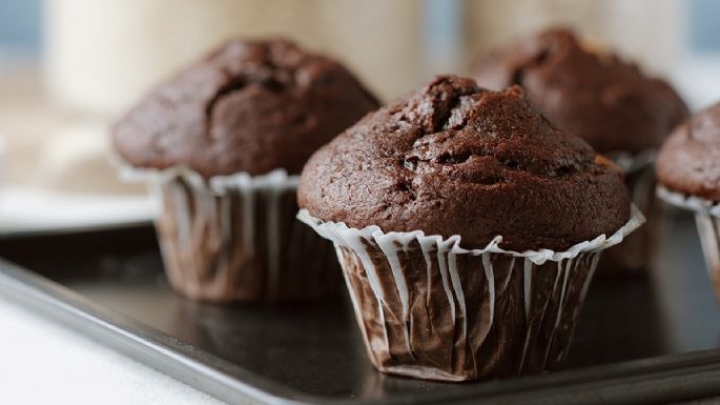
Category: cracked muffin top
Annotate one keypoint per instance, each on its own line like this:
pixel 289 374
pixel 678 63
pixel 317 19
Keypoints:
pixel 248 106
pixel 688 161
pixel 591 93
pixel 456 159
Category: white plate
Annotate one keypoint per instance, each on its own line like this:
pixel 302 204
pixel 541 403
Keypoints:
pixel 32 210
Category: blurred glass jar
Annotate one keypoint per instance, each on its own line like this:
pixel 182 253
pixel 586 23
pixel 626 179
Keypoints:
pixel 102 55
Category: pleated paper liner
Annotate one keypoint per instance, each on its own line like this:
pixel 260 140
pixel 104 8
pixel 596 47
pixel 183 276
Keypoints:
pixel 707 218
pixel 637 253
pixel 428 308
pixel 235 238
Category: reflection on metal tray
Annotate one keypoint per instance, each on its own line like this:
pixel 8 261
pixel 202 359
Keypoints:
pixel 642 339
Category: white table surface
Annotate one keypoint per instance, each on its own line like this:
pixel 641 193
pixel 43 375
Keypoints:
pixel 42 362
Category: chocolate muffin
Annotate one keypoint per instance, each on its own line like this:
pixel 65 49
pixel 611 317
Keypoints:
pixel 593 94
pixel 221 143
pixel 689 177
pixel 608 102
pixel 688 161
pixel 461 217
pixel 248 106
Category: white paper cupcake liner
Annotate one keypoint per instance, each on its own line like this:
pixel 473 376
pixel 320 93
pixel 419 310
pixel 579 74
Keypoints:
pixel 699 205
pixel 707 218
pixel 235 237
pixel 637 253
pixel 429 308
pixel 630 163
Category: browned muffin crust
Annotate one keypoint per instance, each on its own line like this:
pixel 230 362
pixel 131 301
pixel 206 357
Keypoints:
pixel 689 162
pixel 453 158
pixel 595 95
pixel 248 106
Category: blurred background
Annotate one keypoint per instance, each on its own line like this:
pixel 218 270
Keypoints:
pixel 69 68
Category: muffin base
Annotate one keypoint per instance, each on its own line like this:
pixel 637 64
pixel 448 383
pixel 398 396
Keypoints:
pixel 638 251
pixel 235 238
pixel 429 309
pixel 707 218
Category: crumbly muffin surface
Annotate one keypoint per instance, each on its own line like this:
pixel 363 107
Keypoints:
pixel 453 158
pixel 689 162
pixel 593 94
pixel 248 106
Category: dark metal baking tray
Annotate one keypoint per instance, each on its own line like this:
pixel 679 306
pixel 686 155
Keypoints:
pixel 640 339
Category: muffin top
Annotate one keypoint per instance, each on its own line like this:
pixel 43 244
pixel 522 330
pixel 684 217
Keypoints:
pixel 248 106
pixel 689 161
pixel 455 159
pixel 593 94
